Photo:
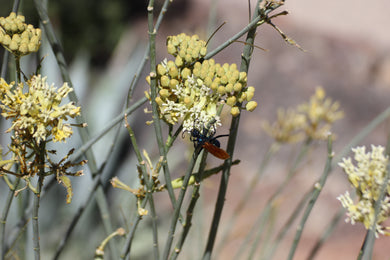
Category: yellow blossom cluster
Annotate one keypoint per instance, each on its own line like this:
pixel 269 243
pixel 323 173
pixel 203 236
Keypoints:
pixel 367 177
pixel 313 119
pixel 37 113
pixel 18 37
pixel 192 89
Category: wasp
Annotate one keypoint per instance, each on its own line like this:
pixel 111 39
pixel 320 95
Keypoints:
pixel 208 142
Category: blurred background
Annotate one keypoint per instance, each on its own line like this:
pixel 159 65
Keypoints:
pixel 347 52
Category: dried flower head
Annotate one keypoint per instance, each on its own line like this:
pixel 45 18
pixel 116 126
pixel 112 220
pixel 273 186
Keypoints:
pixel 313 119
pixel 37 113
pixel 18 37
pixel 367 177
pixel 321 113
pixel 192 89
pixel 288 126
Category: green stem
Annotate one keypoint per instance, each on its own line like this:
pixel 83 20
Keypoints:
pixel 35 218
pixel 245 61
pixel 4 216
pixel 179 202
pixel 317 189
pixel 190 210
pixel 149 186
pixel 153 94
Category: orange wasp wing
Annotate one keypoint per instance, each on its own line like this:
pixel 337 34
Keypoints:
pixel 216 151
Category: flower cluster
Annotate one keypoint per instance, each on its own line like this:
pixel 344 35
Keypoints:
pixel 18 37
pixel 192 89
pixel 367 177
pixel 37 118
pixel 37 113
pixel 313 119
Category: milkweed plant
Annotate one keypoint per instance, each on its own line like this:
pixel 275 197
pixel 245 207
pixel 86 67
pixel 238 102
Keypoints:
pixel 192 94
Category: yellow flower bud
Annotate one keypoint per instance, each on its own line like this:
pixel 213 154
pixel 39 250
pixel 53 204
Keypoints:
pixel 13 46
pixel 195 53
pixel 231 101
pixel 229 88
pixel 164 81
pixel 23 48
pixel 235 111
pixel 161 70
pixel 196 72
pixel 164 93
pixel 203 51
pixel 208 81
pixel 171 49
pixel 173 72
pixel 185 73
pixel 188 58
pixel 159 101
pixel 170 64
pixel 198 65
pixel 242 97
pixel 237 87
pixel 148 79
pixel 233 67
pixel 224 79
pixel 249 95
pixel 221 90
pixel 242 77
pixel 214 86
pixel 225 67
pixel 251 105
pixel 250 89
pixel 179 61
pixel 173 83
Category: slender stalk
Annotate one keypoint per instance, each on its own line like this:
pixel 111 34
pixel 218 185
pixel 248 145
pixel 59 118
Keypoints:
pixel 190 210
pixel 149 189
pixel 35 218
pixel 179 202
pixel 4 216
pixel 245 61
pixel 127 247
pixel 317 189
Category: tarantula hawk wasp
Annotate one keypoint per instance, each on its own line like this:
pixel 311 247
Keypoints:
pixel 208 141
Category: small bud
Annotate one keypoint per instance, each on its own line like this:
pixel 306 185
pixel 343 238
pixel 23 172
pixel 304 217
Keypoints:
pixel 173 83
pixel 161 70
pixel 164 93
pixel 221 90
pixel 178 61
pixel 235 111
pixel 249 95
pixel 185 73
pixel 237 87
pixel 229 88
pixel 231 101
pixel 171 49
pixel 251 105
pixel 173 72
pixel 164 81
